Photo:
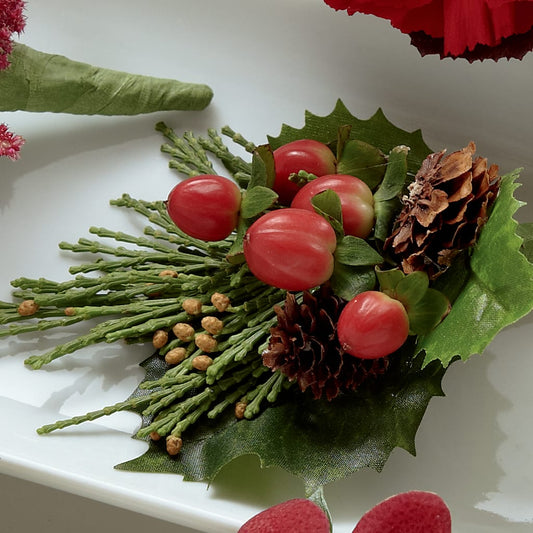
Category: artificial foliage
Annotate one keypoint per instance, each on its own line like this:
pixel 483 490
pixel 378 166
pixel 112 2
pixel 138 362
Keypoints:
pixel 207 398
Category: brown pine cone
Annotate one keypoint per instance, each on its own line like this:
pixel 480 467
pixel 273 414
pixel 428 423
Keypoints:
pixel 447 205
pixel 304 347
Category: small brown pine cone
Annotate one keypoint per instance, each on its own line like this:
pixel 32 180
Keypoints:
pixel 304 346
pixel 447 205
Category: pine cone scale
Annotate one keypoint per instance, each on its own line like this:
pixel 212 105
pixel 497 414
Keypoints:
pixel 446 206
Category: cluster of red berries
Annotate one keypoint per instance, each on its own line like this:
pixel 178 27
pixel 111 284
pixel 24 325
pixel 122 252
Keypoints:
pixel 293 247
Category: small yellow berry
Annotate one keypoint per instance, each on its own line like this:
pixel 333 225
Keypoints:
pixel 240 407
pixel 160 338
pixel 205 342
pixel 220 301
pixel 212 324
pixel 27 308
pixel 192 306
pixel 175 356
pixel 202 362
pixel 174 445
pixel 169 273
pixel 184 331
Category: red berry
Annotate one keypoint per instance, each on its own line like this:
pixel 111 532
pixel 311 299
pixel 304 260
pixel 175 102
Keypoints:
pixel 372 325
pixel 205 207
pixel 304 154
pixel 290 249
pixel 357 201
pixel 293 516
pixel 409 512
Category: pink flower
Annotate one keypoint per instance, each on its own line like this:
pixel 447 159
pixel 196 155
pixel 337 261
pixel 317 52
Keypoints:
pixel 12 21
pixel 10 143
pixel 474 29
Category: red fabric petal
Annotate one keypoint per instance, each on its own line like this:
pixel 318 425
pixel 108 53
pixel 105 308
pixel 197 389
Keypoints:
pixel 462 25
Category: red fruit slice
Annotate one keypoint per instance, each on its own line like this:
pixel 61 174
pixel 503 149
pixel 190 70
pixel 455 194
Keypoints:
pixel 293 516
pixel 409 512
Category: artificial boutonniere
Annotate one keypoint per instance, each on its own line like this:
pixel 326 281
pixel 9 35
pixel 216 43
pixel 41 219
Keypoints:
pixel 35 81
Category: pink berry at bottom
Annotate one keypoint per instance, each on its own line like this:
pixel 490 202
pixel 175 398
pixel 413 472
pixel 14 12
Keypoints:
pixel 293 516
pixel 409 512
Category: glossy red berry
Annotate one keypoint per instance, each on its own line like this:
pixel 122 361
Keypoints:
pixel 304 154
pixel 290 249
pixel 372 325
pixel 205 207
pixel 357 201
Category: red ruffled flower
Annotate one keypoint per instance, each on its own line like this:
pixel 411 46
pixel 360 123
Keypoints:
pixel 10 143
pixel 12 21
pixel 473 29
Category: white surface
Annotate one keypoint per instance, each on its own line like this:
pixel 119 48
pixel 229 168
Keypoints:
pixel 267 62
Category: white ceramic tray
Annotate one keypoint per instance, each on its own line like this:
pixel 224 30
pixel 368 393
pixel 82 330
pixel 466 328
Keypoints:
pixel 267 62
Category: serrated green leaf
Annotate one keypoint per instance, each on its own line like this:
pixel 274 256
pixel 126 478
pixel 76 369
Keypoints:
pixel 499 289
pixel 256 200
pixel 362 160
pixel 355 251
pixel 377 131
pixel 316 440
pixel 525 232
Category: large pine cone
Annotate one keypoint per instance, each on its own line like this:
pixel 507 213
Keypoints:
pixel 447 205
pixel 304 347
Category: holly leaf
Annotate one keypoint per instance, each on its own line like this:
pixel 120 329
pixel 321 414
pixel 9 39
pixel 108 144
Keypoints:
pixel 497 292
pixel 377 131
pixel 316 440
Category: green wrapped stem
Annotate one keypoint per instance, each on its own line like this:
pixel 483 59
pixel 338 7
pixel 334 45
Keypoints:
pixel 39 82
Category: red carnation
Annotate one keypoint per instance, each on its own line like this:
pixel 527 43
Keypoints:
pixel 9 143
pixel 12 21
pixel 475 30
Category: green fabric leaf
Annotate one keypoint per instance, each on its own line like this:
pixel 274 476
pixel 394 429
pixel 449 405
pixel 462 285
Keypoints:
pixel 355 251
pixel 263 170
pixel 347 281
pixel 525 231
pixel 317 441
pixel 256 200
pixel 328 204
pixel 377 131
pixel 498 291
pixel 39 82
pixel 387 197
pixel 363 161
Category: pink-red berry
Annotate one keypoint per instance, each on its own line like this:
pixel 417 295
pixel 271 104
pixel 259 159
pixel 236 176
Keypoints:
pixel 205 207
pixel 290 249
pixel 304 154
pixel 357 201
pixel 372 325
